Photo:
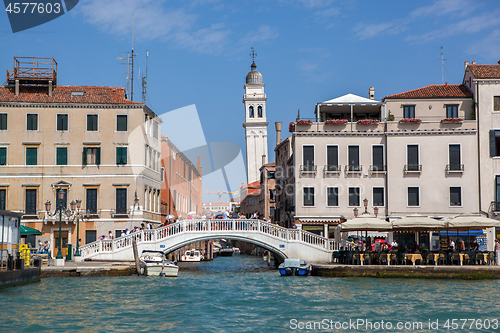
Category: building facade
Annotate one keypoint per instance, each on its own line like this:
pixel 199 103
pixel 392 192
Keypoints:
pixel 267 195
pixel 90 142
pixel 182 182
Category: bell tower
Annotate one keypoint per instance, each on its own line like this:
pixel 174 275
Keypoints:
pixel 255 123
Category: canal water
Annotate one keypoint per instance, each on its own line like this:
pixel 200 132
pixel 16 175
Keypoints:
pixel 240 294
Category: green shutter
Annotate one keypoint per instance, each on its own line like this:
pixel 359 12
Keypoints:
pixel 3 156
pixel 121 155
pixel 3 121
pixel 84 156
pixel 98 156
pixel 31 156
pixel 62 156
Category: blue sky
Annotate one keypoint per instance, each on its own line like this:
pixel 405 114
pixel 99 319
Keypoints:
pixel 308 50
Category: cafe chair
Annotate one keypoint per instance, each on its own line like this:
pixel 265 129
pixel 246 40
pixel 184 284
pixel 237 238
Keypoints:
pixel 491 258
pixel 442 260
pixel 455 257
pixel 466 258
pixel 479 258
pixel 429 258
pixel 382 259
pixel 349 257
pixel 472 257
pixel 355 259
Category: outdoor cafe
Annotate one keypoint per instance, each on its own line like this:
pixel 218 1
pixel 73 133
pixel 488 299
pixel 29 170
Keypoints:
pixel 415 240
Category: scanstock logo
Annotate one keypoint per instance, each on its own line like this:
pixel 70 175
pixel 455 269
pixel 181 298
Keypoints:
pixel 26 15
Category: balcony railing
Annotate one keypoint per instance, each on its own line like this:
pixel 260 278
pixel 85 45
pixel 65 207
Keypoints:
pixel 353 168
pixel 495 206
pixel 413 168
pixel 332 169
pixel 451 168
pixel 308 168
pixel 378 169
pixel 120 213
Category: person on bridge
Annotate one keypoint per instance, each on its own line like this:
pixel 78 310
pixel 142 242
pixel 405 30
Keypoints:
pixel 226 215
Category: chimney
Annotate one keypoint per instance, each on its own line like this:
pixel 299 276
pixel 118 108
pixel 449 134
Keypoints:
pixel 263 159
pixel 473 62
pixel 371 93
pixel 466 64
pixel 278 125
pixel 50 88
pixel 17 87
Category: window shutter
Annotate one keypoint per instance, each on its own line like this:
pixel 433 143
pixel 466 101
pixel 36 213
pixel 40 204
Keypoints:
pixel 333 155
pixel 308 155
pixel 98 156
pixel 413 155
pixel 492 143
pixel 3 156
pixel 84 156
pixel 353 155
pixel 455 154
pixel 3 194
pixel 378 157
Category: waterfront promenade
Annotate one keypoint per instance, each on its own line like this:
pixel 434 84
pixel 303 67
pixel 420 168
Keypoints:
pixel 90 268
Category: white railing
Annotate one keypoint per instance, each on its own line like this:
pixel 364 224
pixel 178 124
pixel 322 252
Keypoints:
pixel 215 227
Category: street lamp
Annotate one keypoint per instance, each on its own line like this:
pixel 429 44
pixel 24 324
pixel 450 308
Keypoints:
pixel 60 210
pixel 375 210
pixel 355 210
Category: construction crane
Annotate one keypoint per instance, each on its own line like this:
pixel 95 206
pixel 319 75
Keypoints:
pixel 220 193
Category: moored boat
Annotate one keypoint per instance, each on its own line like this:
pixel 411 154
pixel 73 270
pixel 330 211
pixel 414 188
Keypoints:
pixel 226 252
pixel 154 263
pixel 192 255
pixel 294 267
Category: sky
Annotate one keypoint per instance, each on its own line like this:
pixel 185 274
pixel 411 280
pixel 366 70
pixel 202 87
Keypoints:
pixel 308 51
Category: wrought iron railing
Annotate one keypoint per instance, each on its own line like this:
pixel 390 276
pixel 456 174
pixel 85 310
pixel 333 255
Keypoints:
pixel 413 168
pixel 454 168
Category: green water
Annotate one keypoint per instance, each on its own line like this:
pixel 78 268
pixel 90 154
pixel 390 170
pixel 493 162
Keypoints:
pixel 240 294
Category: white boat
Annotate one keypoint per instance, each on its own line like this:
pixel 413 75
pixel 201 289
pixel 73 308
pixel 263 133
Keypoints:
pixel 154 263
pixel 192 255
pixel 226 252
pixel 236 250
pixel 294 267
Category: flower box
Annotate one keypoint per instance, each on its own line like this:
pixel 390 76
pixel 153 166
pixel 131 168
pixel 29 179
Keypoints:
pixel 336 122
pixel 410 121
pixel 291 126
pixel 368 121
pixel 304 122
pixel 452 120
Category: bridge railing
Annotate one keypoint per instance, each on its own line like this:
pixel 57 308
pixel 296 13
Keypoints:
pixel 210 226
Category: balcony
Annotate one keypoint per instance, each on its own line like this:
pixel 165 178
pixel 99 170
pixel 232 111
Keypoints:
pixel 308 169
pixel 430 123
pixel 495 207
pixel 413 168
pixel 332 169
pixel 347 127
pixel 454 168
pixel 378 169
pixel 120 213
pixel 353 169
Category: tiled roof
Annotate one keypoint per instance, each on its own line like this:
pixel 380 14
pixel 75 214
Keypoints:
pixel 485 71
pixel 435 91
pixel 62 94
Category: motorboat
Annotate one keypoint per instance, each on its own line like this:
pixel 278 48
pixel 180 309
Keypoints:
pixel 154 263
pixel 226 252
pixel 236 250
pixel 192 255
pixel 294 267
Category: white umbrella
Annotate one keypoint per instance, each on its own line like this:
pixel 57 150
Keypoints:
pixel 472 221
pixel 366 223
pixel 192 213
pixel 169 217
pixel 418 223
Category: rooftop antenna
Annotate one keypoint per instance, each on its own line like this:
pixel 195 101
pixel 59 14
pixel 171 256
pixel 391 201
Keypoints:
pixel 132 64
pixel 145 80
pixel 442 65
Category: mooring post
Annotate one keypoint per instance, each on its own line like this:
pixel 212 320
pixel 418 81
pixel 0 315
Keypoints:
pixel 136 256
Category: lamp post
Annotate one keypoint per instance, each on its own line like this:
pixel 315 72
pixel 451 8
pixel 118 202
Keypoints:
pixel 355 210
pixel 79 216
pixel 59 209
pixel 365 203
pixel 375 210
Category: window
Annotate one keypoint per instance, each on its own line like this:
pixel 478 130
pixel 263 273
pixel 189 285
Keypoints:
pixel 452 111
pixel 3 199
pixel 250 112
pixel 3 121
pixel 92 122
pixel 378 196
pixel 271 212
pixel 77 93
pixel 121 122
pixel 91 202
pixel 412 158
pixel 496 103
pixel 494 143
pixel 62 156
pixel 32 122
pixel 155 130
pixel 413 196
pixel 121 155
pixel 31 155
pixel 332 158
pixel 353 196
pixel 271 174
pixel 409 111
pixel 497 193
pixel 454 158
pixel 121 201
pixel 378 158
pixel 353 158
pixel 308 196
pixel 91 156
pixel 259 111
pixel 332 196
pixel 62 122
pixel 308 158
pixel 3 156
pixel 455 196
pixel 30 201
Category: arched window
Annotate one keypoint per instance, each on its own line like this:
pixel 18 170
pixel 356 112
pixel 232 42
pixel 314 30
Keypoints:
pixel 250 112
pixel 259 111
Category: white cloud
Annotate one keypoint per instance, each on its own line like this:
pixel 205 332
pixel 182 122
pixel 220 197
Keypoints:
pixel 445 7
pixel 489 47
pixel 262 34
pixel 153 20
pixel 365 31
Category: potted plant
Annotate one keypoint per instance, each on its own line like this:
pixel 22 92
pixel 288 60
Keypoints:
pixel 336 121
pixel 410 121
pixel 368 121
pixel 304 122
pixel 452 120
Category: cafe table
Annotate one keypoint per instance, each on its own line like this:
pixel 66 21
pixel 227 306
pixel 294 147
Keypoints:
pixel 413 257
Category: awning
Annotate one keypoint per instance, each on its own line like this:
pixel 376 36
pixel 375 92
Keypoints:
pixel 462 233
pixel 333 220
pixel 27 231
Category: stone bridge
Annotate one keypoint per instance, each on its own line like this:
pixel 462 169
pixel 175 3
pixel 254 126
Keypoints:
pixel 286 243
